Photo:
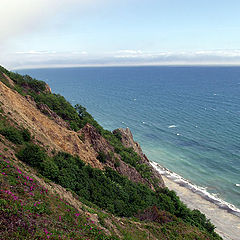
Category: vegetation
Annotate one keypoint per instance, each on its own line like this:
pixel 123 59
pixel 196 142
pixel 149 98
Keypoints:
pixel 32 154
pixel 15 134
pixel 102 157
pixel 38 214
pixel 108 190
pixel 24 83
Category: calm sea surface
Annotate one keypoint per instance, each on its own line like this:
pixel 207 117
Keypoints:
pixel 185 118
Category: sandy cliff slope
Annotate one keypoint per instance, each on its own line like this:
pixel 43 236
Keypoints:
pixel 47 132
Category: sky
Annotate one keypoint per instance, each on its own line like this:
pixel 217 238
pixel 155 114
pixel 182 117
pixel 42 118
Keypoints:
pixel 65 33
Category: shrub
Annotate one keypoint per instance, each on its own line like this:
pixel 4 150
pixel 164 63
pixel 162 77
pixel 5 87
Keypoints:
pixel 26 135
pixel 32 154
pixel 116 163
pixel 12 134
pixel 117 134
pixel 49 169
pixel 102 157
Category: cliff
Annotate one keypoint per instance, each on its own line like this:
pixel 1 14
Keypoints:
pixel 128 141
pixel 53 133
pixel 63 176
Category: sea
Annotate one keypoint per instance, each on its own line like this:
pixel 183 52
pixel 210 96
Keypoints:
pixel 186 119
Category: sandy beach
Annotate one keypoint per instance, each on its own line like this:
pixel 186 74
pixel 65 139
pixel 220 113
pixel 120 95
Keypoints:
pixel 227 224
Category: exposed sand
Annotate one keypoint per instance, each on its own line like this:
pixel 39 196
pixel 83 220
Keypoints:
pixel 227 224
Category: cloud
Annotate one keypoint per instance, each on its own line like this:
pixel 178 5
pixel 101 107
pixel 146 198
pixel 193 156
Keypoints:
pixel 35 59
pixel 33 52
pixel 130 51
pixel 215 56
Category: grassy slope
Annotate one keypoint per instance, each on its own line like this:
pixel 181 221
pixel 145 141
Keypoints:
pixel 28 210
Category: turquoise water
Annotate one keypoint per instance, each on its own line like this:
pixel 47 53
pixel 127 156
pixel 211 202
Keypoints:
pixel 185 118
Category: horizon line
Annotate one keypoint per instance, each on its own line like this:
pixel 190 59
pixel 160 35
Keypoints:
pixel 125 65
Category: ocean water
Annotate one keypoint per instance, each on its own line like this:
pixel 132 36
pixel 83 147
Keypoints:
pixel 186 119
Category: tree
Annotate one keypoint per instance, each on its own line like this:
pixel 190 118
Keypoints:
pixel 82 111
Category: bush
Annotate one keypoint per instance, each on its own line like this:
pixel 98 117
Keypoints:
pixel 102 157
pixel 117 134
pixel 26 135
pixel 49 169
pixel 12 134
pixel 16 136
pixel 116 163
pixel 108 189
pixel 26 83
pixel 32 154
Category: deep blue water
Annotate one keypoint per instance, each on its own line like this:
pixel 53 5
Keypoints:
pixel 185 118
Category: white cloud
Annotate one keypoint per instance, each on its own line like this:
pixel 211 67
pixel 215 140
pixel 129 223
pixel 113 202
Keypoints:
pixel 35 59
pixel 130 51
pixel 33 52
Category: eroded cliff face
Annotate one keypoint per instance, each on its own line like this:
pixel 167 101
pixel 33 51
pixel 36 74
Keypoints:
pixel 128 142
pixel 92 137
pixel 53 133
pixel 47 132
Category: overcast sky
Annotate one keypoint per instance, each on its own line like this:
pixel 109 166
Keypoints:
pixel 54 33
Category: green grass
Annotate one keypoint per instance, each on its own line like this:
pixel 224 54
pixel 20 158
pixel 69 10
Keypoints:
pixel 39 213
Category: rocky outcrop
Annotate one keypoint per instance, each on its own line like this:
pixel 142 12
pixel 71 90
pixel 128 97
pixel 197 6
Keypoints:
pixel 52 115
pixel 48 89
pixel 92 137
pixel 30 99
pixel 153 214
pixel 90 134
pixel 128 142
pixel 132 174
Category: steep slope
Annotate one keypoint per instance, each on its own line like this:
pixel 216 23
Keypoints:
pixel 128 142
pixel 46 131
pixel 109 181
pixel 53 135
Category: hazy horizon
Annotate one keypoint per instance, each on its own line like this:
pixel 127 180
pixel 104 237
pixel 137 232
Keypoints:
pixel 118 33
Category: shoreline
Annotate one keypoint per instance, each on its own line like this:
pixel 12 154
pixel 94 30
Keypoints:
pixel 227 224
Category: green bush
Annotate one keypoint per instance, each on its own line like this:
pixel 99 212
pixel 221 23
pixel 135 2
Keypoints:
pixel 32 154
pixel 116 163
pixel 117 134
pixel 102 157
pixel 26 135
pixel 49 169
pixel 15 135
pixel 27 83
pixel 111 191
pixel 12 134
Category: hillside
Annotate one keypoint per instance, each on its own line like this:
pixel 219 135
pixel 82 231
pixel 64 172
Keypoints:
pixel 64 177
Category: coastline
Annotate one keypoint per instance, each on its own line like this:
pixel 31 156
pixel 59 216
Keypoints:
pixel 227 224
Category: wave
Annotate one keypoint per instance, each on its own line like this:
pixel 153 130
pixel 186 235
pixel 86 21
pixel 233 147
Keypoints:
pixel 202 191
pixel 172 126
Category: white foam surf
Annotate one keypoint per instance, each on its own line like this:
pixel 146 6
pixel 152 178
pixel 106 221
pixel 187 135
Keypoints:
pixel 196 189
pixel 172 126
